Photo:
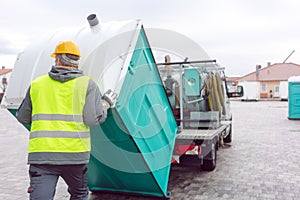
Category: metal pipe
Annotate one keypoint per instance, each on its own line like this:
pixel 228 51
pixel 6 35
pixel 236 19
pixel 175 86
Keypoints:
pixel 181 95
pixel 188 62
pixel 93 20
pixel 168 67
pixel 289 56
pixel 177 95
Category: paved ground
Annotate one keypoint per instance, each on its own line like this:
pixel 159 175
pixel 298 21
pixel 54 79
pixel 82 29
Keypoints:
pixel 262 163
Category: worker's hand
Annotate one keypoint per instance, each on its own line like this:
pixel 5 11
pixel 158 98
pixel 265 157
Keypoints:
pixel 109 98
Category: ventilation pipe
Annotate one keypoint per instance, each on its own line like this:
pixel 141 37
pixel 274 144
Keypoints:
pixel 93 22
pixel 257 68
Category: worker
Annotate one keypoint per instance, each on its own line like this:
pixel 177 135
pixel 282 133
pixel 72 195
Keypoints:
pixel 60 107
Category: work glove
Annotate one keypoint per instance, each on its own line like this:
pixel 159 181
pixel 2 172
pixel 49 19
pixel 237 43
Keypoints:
pixel 109 98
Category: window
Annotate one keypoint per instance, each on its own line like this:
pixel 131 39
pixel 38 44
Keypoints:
pixel 276 88
pixel 263 87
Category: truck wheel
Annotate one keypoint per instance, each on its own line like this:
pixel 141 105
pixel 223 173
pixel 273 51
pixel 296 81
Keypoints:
pixel 210 161
pixel 228 138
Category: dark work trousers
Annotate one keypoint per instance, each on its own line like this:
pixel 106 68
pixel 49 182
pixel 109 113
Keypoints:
pixel 43 180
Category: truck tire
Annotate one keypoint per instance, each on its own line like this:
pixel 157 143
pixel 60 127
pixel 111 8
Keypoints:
pixel 228 138
pixel 210 161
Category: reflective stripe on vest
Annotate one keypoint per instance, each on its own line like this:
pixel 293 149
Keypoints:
pixel 57 116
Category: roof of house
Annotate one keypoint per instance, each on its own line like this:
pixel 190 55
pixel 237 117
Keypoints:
pixel 4 71
pixel 274 72
pixel 232 78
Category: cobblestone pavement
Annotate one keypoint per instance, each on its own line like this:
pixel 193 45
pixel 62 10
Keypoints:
pixel 263 161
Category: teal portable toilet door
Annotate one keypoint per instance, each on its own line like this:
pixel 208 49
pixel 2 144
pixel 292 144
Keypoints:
pixel 294 97
pixel 132 150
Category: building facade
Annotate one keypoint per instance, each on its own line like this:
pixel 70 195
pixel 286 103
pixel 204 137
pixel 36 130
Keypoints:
pixel 271 77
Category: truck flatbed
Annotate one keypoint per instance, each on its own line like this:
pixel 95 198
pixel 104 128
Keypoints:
pixel 203 134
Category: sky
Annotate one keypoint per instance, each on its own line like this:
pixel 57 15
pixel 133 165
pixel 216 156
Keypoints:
pixel 239 34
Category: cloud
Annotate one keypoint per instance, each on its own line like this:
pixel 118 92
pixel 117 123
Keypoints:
pixel 238 33
pixel 7 47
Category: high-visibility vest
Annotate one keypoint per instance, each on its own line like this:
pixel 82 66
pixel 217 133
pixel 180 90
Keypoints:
pixel 58 134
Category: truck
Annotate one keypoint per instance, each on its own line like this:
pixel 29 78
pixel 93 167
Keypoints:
pixel 200 99
pixel 251 90
pixel 200 102
pixel 166 112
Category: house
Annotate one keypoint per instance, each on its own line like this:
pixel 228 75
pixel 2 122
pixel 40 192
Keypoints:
pixel 4 77
pixel 270 77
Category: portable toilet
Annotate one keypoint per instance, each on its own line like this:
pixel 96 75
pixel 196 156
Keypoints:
pixel 294 97
pixel 132 150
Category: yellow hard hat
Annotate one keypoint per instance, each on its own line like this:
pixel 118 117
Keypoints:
pixel 68 47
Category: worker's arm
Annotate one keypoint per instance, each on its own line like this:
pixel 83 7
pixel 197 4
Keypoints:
pixel 24 112
pixel 94 111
